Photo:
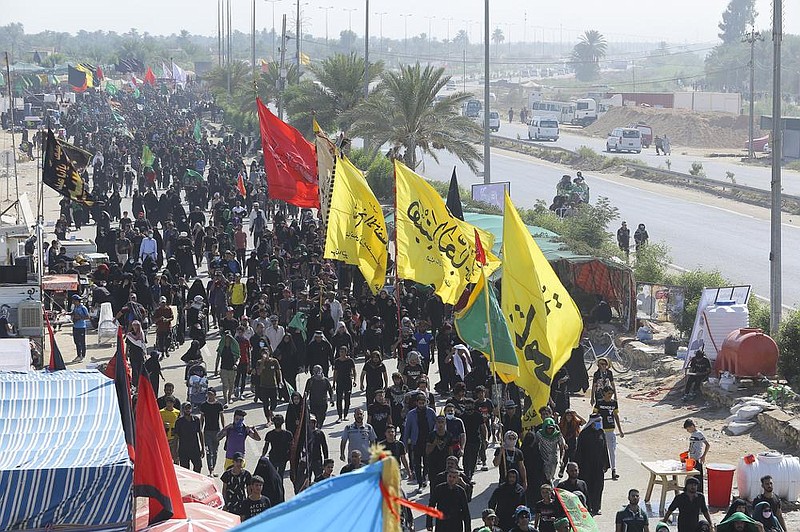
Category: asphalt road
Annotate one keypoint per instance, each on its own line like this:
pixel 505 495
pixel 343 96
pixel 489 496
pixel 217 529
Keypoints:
pixel 699 232
pixel 715 168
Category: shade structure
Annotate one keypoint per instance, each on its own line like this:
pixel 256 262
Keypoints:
pixel 349 502
pixel 63 458
pixel 196 487
pixel 200 518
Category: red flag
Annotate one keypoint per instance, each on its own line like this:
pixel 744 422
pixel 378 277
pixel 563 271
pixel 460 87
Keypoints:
pixel 119 370
pixel 99 73
pixel 289 160
pixel 149 77
pixel 56 360
pixel 240 185
pixel 154 473
pixel 480 254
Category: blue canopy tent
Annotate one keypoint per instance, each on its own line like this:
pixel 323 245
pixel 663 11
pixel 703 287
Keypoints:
pixel 63 458
pixel 351 502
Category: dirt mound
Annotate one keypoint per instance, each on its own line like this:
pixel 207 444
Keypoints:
pixel 684 128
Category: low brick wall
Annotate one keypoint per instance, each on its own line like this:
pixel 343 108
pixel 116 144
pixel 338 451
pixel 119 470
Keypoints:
pixel 785 427
pixel 642 355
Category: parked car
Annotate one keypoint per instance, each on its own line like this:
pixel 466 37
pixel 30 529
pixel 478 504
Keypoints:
pixel 494 120
pixel 543 129
pixel 624 139
pixel 647 134
pixel 759 144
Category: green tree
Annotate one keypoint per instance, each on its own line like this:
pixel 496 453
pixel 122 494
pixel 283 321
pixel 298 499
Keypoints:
pixel 694 281
pixel 586 55
pixel 735 19
pixel 651 262
pixel 461 39
pixel 403 113
pixel 379 172
pixel 338 88
pixel 497 39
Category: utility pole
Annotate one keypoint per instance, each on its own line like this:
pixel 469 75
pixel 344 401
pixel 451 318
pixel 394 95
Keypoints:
pixel 366 52
pixel 253 42
pixel 751 38
pixel 282 71
pixel 326 9
pixel 486 135
pixel 297 39
pixel 219 32
pixel 775 296
pixel 381 14
pixel 273 2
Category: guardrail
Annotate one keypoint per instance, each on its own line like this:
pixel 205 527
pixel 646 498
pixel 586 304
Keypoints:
pixel 699 180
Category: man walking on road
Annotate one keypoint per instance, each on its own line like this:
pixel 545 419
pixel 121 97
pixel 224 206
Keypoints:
pixel 689 505
pixel 80 317
pixel 451 500
pixel 632 518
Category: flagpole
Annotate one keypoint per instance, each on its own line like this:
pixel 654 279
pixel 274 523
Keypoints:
pixel 396 263
pixel 492 362
pixel 13 141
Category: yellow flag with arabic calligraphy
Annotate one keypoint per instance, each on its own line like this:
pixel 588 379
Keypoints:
pixel 433 247
pixel 356 232
pixel 544 321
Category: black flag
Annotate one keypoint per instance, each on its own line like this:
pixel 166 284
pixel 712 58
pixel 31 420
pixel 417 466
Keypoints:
pixel 77 79
pixel 454 198
pixel 60 173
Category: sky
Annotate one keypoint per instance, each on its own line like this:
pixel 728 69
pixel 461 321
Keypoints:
pixel 675 21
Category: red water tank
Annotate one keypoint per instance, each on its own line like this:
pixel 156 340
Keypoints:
pixel 748 353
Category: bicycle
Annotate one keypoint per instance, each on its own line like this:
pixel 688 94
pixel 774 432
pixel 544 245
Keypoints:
pixel 617 359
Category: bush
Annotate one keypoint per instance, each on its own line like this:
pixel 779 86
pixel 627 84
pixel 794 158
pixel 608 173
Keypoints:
pixel 651 263
pixel 697 170
pixel 379 172
pixel 759 314
pixel 789 347
pixel 694 282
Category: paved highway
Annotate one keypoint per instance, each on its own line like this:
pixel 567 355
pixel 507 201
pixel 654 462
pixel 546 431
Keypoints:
pixel 715 168
pixel 702 231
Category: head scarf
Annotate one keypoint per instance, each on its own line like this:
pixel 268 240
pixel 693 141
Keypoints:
pixel 549 422
pixel 770 522
pixel 727 524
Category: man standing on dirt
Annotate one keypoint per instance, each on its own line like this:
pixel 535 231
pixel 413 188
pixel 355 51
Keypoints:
pixel 624 239
pixel 689 505
pixel 510 115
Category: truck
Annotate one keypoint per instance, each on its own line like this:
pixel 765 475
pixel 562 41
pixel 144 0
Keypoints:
pixel 585 112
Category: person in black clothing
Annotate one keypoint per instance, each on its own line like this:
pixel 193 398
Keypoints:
pixel 318 447
pixel 374 373
pixel 624 238
pixel 689 504
pixel 573 483
pixel 353 464
pixel 451 500
pixel 318 389
pixel 344 379
pixel 601 312
pixel 769 496
pixel 463 481
pixel 396 447
pixel 547 510
pixel 632 518
pixel 277 444
pixel 255 503
pixel 439 446
pixel 378 413
pixel 699 370
pixel 476 433
pixel 505 499
pixel 190 439
pixel 591 455
pixel 319 352
pixel 273 482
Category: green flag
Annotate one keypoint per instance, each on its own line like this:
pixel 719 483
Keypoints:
pixel 147 156
pixel 299 322
pixel 111 88
pixel 482 326
pixel 198 132
pixel 193 174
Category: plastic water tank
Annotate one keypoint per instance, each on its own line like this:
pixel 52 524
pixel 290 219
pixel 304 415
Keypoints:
pixel 748 353
pixel 721 319
pixel 784 469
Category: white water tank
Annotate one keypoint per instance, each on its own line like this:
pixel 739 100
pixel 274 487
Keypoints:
pixel 721 319
pixel 784 470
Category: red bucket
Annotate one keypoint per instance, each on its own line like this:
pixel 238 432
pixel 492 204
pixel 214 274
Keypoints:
pixel 720 484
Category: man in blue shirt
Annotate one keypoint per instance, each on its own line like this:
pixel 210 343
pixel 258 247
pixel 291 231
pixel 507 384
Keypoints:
pixel 80 320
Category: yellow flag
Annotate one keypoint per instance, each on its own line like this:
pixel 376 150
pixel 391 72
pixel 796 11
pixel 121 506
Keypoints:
pixel 356 228
pixel 433 247
pixel 89 74
pixel 543 320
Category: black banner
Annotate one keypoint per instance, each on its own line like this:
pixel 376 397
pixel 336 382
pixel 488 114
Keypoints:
pixel 61 174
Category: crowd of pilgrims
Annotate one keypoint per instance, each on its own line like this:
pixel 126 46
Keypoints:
pixel 280 310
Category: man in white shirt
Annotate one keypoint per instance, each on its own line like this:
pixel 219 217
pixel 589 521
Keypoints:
pixel 148 247
pixel 274 333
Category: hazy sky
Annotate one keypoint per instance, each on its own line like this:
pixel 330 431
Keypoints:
pixel 681 21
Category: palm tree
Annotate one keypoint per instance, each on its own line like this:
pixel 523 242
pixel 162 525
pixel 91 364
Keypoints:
pixel 586 55
pixel 338 88
pixel 403 112
pixel 497 38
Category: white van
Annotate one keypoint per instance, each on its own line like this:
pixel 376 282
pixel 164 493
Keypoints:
pixel 624 139
pixel 494 120
pixel 543 129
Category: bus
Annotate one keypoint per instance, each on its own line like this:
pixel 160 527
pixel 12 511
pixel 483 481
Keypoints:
pixel 564 112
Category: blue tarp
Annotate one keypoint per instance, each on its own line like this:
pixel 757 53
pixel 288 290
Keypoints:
pixel 350 502
pixel 63 458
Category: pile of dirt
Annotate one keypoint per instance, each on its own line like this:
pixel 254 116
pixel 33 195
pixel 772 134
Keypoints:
pixel 684 128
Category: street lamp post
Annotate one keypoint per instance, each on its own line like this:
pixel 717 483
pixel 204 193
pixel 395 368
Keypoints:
pixel 350 17
pixel 405 38
pixel 486 135
pixel 430 18
pixel 273 2
pixel 381 14
pixel 326 9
